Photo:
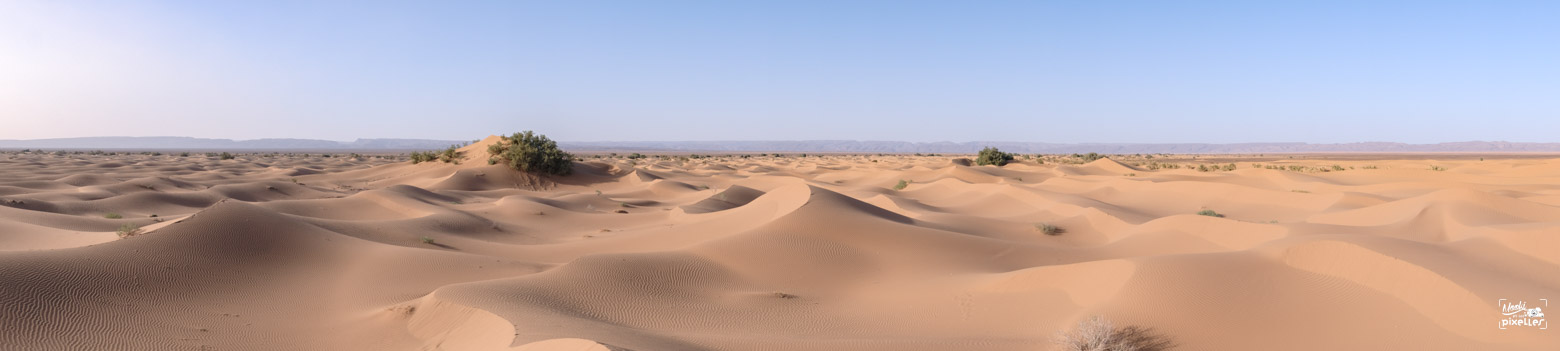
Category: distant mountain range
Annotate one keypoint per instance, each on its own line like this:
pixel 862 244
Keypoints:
pixel 188 143
pixel 850 146
pixel 1030 147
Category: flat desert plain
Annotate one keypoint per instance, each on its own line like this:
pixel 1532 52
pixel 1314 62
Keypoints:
pixel 286 252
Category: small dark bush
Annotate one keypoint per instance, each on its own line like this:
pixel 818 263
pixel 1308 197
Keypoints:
pixel 226 156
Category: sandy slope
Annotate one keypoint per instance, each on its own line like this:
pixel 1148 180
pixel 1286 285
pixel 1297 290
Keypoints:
pixel 768 253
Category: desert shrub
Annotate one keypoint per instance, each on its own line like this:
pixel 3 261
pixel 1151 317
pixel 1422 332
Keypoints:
pixel 902 184
pixel 530 152
pixel 420 157
pixel 1098 334
pixel 1048 229
pixel 1210 213
pixel 225 155
pixel 128 230
pixel 1091 157
pixel 992 156
pixel 1202 168
pixel 1437 168
pixel 451 155
pixel 1371 167
pixel 427 240
pixel 112 215
pixel 636 156
pixel 1229 167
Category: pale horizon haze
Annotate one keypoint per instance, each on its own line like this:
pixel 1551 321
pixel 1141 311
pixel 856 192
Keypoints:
pixel 1053 71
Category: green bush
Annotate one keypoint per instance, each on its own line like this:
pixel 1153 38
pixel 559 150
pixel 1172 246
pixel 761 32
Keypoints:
pixel 530 152
pixel 1210 213
pixel 112 215
pixel 226 156
pixel 992 156
pixel 902 184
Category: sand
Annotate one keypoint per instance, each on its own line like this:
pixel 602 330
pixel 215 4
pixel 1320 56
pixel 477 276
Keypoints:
pixel 771 253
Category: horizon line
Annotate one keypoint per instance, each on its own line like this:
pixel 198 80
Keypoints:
pixel 810 140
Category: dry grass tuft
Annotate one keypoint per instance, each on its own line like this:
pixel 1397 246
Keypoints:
pixel 128 230
pixel 1048 229
pixel 1098 334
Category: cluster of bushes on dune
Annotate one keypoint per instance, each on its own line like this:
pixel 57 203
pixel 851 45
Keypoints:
pixel 1090 157
pixel 448 155
pixel 524 151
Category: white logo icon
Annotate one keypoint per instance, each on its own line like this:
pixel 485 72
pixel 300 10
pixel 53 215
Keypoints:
pixel 1516 313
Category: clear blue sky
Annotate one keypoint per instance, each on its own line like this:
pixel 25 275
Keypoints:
pixel 1053 71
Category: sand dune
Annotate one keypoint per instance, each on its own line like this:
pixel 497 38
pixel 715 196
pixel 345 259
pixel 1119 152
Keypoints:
pixel 285 252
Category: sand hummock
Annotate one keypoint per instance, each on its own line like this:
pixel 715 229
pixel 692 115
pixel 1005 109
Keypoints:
pixel 288 252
